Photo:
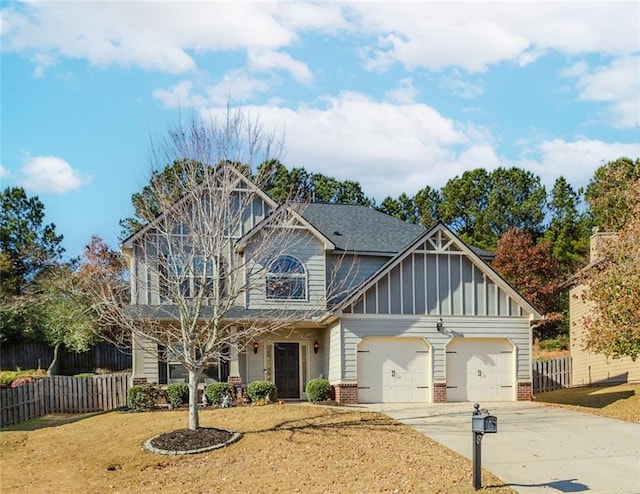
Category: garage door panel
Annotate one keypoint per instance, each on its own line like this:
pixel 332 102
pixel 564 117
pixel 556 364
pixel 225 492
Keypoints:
pixel 480 370
pixel 393 370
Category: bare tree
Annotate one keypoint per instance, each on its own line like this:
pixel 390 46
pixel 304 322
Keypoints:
pixel 202 268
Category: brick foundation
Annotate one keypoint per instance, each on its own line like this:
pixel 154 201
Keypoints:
pixel 524 391
pixel 439 392
pixel 139 380
pixel 346 394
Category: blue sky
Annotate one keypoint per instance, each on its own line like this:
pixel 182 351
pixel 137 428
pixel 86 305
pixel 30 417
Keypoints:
pixel 394 95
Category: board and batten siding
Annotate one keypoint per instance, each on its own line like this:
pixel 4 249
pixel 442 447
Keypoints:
pixel 436 283
pixel 589 368
pixel 356 327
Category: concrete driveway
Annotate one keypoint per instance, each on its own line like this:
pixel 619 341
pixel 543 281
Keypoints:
pixel 537 448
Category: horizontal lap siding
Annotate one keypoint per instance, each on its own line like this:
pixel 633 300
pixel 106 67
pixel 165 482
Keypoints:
pixel 310 252
pixel 334 371
pixel 356 328
pixel 588 368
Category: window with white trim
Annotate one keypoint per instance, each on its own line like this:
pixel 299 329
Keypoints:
pixel 190 275
pixel 286 279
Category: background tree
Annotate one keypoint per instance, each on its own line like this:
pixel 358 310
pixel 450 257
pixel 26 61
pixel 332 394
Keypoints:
pixel 481 206
pixel 613 282
pixel 428 201
pixel 607 193
pixel 464 204
pixel 404 208
pixel 530 268
pixel 28 247
pixel 63 312
pixel 569 230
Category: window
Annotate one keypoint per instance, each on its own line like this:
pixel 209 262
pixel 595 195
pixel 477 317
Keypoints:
pixel 286 279
pixel 189 275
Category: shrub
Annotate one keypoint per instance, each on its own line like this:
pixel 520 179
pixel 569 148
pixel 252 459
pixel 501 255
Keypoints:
pixel 7 377
pixel 216 391
pixel 318 390
pixel 177 394
pixel 143 397
pixel 85 374
pixel 260 391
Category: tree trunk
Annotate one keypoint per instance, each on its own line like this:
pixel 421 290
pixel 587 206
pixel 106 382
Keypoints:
pixel 194 421
pixel 53 366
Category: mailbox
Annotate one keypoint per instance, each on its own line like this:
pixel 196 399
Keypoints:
pixel 484 424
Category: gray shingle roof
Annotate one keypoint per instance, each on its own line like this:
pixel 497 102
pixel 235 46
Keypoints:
pixel 357 228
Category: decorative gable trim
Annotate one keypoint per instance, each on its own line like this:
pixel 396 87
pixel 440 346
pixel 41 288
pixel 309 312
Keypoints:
pixel 437 274
pixel 241 179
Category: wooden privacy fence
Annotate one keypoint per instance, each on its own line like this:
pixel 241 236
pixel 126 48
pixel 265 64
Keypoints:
pixel 38 355
pixel 63 394
pixel 551 374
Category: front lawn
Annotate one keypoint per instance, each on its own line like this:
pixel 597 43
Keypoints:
pixel 619 402
pixel 285 448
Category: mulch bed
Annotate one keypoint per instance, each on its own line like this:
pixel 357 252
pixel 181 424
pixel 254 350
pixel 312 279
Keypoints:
pixel 188 440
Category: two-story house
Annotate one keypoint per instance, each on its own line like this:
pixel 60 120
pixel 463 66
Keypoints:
pixel 421 316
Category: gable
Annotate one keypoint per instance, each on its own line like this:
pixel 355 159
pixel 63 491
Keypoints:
pixel 438 275
pixel 237 184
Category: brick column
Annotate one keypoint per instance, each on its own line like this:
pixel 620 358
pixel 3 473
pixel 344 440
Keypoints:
pixel 525 391
pixel 439 392
pixel 347 394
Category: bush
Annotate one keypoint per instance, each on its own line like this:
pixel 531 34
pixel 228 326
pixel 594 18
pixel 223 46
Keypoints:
pixel 318 390
pixel 143 397
pixel 216 391
pixel 7 377
pixel 177 394
pixel 85 374
pixel 561 343
pixel 261 391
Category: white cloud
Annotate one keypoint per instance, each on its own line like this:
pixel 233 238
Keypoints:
pixel 4 173
pixel 235 86
pixel 404 93
pixel 50 174
pixel 151 35
pixel 389 148
pixel 575 160
pixel 617 84
pixel 461 86
pixel 476 35
pixel 267 60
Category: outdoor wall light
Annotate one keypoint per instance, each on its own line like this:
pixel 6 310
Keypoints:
pixel 316 345
pixel 255 347
pixel 440 324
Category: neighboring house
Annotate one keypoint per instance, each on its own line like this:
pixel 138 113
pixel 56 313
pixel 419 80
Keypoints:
pixel 591 368
pixel 424 318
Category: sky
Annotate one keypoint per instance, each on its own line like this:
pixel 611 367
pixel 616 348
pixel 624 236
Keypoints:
pixel 394 95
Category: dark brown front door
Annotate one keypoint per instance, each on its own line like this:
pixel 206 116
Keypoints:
pixel 287 373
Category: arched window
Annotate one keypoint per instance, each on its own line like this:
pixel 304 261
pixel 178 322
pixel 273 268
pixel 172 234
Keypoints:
pixel 286 279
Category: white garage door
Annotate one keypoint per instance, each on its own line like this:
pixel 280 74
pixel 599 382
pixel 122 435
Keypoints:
pixel 480 369
pixel 393 370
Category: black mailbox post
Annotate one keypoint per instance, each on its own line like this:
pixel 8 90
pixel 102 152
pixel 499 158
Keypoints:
pixel 480 425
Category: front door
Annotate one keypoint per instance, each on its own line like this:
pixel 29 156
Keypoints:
pixel 287 370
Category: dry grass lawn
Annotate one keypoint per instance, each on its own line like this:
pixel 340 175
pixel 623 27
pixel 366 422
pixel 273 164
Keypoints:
pixel 619 402
pixel 285 449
